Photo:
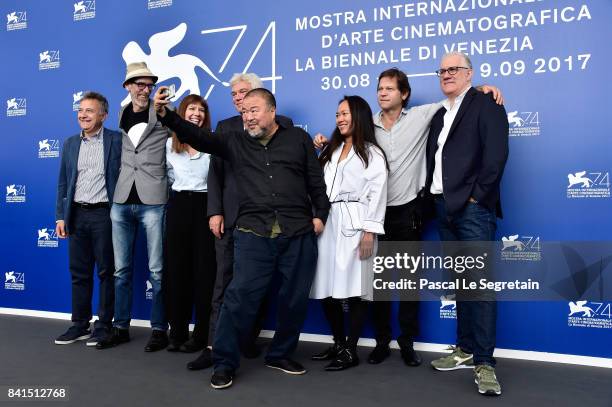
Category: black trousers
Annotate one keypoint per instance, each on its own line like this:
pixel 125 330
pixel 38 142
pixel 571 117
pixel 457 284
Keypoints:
pixel 403 223
pixel 90 244
pixel 224 249
pixel 258 261
pixel 190 260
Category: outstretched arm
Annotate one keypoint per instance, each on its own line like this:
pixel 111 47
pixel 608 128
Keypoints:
pixel 201 139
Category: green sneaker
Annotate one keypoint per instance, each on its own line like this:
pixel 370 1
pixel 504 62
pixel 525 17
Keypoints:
pixel 456 360
pixel 484 376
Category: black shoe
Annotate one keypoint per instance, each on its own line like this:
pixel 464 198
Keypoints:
pixel 73 334
pixel 117 337
pixel 346 358
pixel 410 357
pixel 157 341
pixel 251 351
pixel 174 346
pixel 286 365
pixel 191 346
pixel 329 353
pixel 379 354
pixel 204 361
pixel 176 338
pixel 222 379
pixel 99 334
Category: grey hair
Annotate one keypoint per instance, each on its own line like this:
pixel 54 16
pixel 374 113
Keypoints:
pixel 466 59
pixel 99 97
pixel 251 78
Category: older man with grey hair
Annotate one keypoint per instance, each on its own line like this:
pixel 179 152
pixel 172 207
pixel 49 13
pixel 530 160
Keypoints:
pixel 223 210
pixel 466 156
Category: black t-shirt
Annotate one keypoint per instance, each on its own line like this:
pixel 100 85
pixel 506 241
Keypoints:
pixel 128 120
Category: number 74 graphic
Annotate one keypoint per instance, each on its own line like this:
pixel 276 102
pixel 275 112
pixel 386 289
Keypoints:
pixel 270 34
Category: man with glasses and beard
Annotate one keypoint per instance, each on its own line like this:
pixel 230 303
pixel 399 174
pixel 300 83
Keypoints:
pixel 140 200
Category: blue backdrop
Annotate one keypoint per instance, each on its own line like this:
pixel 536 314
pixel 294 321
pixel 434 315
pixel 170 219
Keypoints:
pixel 549 58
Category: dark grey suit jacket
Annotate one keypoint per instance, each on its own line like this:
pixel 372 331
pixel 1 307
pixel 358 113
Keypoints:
pixel 474 154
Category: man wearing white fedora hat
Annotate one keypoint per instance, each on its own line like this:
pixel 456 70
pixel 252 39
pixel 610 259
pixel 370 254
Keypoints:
pixel 139 200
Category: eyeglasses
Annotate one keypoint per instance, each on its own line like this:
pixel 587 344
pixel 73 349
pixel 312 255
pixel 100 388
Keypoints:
pixel 142 85
pixel 452 71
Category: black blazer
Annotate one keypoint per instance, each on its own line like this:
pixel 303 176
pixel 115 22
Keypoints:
pixel 222 189
pixel 474 154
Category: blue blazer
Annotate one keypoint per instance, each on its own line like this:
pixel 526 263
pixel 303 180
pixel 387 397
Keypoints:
pixel 474 154
pixel 68 171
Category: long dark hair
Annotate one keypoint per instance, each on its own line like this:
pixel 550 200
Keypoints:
pixel 362 132
pixel 177 146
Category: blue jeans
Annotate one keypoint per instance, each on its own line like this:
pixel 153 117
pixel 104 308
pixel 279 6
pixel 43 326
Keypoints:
pixel 126 218
pixel 476 320
pixel 257 261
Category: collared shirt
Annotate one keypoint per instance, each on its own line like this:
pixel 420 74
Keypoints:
pixel 91 183
pixel 187 172
pixel 449 118
pixel 279 181
pixel 276 230
pixel 404 145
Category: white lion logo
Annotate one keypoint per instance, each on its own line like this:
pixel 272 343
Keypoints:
pixel 149 285
pixel 43 234
pixel 11 190
pixel 180 66
pixel 515 120
pixel 579 178
pixel 580 306
pixel 79 7
pixel 12 18
pixel 10 277
pixel 448 301
pixel 44 57
pixel 12 104
pixel 77 96
pixel 512 242
pixel 44 145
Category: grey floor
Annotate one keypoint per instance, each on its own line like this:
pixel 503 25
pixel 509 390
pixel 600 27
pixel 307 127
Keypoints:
pixel 127 376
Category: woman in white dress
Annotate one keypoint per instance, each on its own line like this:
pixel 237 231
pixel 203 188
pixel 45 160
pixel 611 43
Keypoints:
pixel 356 177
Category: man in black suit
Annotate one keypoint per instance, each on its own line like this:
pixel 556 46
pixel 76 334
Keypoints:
pixel 466 155
pixel 222 212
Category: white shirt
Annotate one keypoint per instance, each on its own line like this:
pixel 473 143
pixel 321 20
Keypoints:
pixel 185 172
pixel 449 118
pixel 405 145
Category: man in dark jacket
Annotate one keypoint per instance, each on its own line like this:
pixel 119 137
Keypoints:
pixel 88 174
pixel 466 156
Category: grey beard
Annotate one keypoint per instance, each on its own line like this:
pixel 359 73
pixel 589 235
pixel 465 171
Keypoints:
pixel 254 135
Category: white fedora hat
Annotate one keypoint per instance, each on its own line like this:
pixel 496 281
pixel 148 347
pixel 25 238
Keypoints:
pixel 138 70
